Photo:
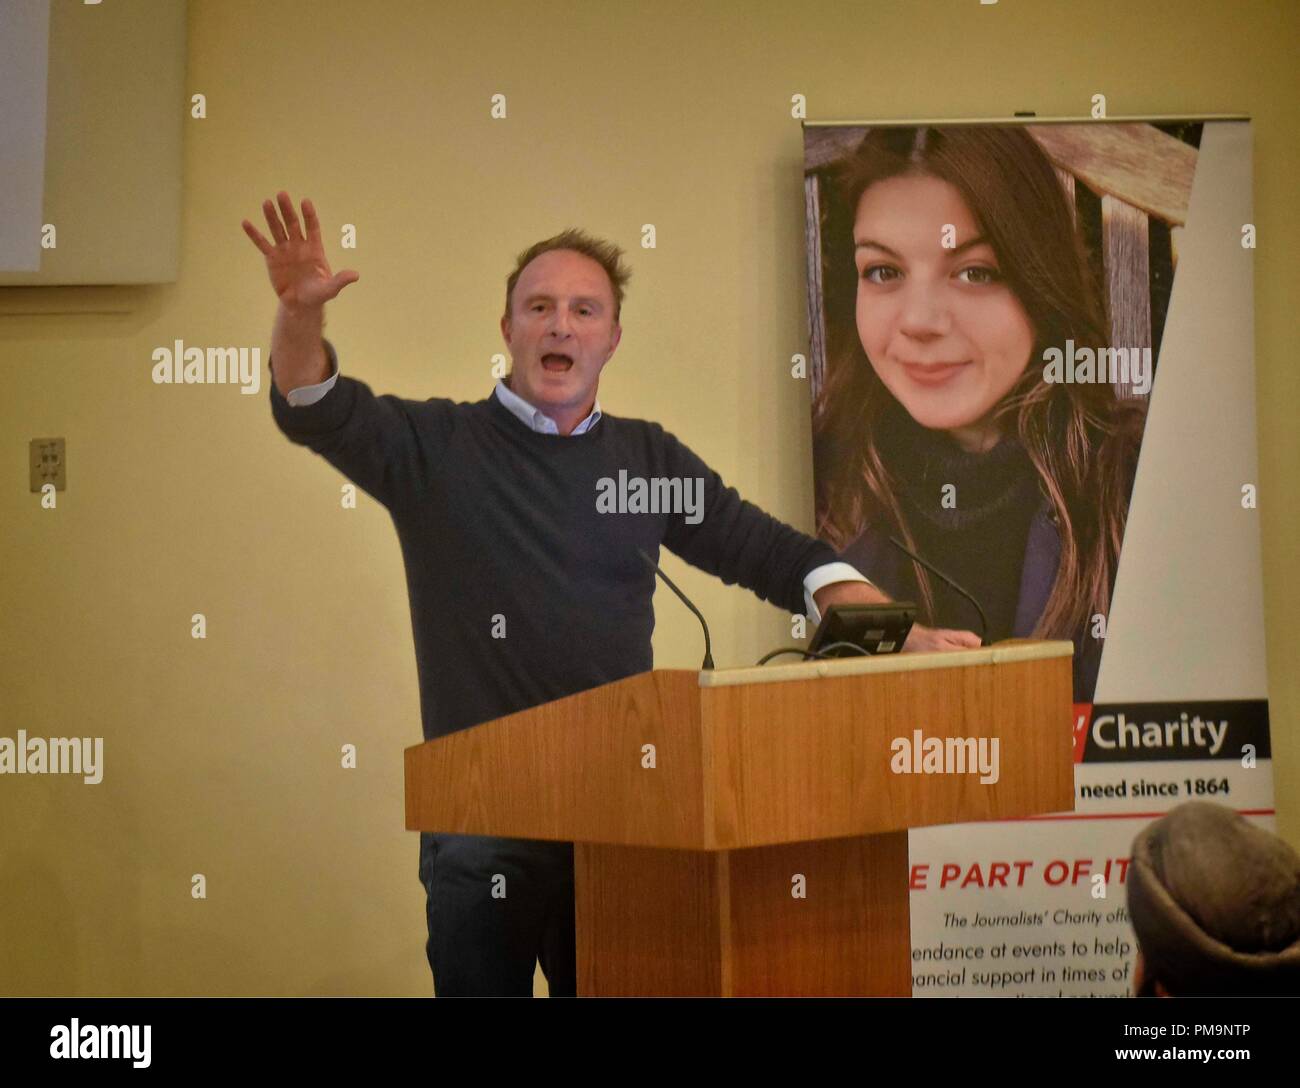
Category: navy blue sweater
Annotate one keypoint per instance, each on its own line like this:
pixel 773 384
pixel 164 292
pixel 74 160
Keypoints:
pixel 500 532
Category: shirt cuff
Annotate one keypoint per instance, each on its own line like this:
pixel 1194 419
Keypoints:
pixel 310 394
pixel 825 575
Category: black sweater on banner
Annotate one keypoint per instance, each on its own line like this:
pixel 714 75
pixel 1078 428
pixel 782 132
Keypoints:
pixel 970 515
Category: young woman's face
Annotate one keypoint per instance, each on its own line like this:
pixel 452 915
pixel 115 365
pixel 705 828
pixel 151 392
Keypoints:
pixel 943 331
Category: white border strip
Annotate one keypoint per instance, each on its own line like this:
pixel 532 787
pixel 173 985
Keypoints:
pixel 1002 654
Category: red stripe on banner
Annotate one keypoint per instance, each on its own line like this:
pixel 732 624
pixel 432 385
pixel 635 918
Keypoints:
pixel 1126 815
pixel 1082 719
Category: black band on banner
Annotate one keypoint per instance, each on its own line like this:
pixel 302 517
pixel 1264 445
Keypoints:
pixel 1149 732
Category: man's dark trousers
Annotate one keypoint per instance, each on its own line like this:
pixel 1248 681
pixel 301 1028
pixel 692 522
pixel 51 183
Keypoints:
pixel 481 946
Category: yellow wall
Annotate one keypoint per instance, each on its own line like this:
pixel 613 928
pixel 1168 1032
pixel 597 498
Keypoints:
pixel 222 755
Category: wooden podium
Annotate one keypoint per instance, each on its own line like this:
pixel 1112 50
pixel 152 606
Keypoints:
pixel 740 831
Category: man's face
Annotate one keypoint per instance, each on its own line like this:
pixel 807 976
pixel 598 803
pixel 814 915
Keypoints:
pixel 561 332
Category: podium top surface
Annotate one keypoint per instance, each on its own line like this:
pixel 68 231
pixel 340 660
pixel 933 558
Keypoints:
pixel 1012 650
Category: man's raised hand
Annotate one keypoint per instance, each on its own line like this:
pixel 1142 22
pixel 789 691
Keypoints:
pixel 296 264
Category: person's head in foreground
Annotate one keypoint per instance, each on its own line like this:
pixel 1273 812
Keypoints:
pixel 1215 904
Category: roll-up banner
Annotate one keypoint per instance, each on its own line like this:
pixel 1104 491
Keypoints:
pixel 1032 362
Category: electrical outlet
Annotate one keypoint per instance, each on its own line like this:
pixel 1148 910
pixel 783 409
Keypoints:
pixel 49 463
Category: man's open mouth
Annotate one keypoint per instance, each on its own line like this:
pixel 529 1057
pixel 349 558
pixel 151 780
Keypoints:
pixel 557 362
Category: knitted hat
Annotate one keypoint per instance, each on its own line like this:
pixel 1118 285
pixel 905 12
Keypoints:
pixel 1215 904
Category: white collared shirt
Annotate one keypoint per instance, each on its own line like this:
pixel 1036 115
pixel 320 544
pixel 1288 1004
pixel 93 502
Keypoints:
pixel 536 418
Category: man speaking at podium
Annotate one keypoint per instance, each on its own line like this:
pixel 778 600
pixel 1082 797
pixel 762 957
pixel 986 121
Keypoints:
pixel 524 580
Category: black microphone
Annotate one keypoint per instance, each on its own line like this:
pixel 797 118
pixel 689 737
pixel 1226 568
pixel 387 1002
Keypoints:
pixel 984 620
pixel 708 646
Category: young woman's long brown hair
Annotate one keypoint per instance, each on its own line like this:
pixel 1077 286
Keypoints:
pixel 1081 438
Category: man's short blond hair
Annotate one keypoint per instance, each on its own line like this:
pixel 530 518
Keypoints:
pixel 606 254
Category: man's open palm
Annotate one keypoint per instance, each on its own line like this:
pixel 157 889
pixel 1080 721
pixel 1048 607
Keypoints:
pixel 296 264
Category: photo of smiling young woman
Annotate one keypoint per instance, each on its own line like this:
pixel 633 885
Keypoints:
pixel 935 424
